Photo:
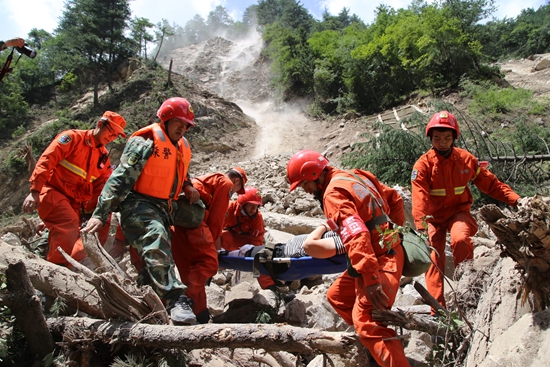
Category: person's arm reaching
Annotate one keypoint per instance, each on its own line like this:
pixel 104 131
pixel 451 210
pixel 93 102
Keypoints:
pixel 122 180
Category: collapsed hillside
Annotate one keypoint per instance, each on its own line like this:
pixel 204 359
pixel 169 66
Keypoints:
pixel 227 135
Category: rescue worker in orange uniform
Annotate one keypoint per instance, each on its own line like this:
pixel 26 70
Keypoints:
pixel 358 206
pixel 143 188
pixel 194 249
pixel 244 225
pixel 67 180
pixel 441 197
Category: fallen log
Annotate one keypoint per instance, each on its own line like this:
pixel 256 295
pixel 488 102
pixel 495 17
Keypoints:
pixel 270 337
pixel 26 307
pixel 54 280
pixel 525 237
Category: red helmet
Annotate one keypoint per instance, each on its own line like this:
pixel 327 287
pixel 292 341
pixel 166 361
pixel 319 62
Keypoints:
pixel 443 119
pixel 251 195
pixel 244 179
pixel 176 107
pixel 304 165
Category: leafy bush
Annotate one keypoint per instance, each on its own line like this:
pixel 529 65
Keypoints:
pixel 18 132
pixel 68 82
pixel 16 163
pixel 13 108
pixel 391 154
pixel 490 99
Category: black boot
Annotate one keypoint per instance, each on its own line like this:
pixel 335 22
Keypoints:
pixel 203 317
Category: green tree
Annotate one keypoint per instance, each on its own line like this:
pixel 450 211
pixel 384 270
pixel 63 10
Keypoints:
pixel 37 37
pixel 292 60
pixel 163 30
pixel 194 31
pixel 287 13
pixel 469 12
pixel 338 22
pixel 140 34
pixel 219 21
pixel 13 108
pixel 94 29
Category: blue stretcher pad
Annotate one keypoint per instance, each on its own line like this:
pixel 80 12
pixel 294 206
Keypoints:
pixel 289 269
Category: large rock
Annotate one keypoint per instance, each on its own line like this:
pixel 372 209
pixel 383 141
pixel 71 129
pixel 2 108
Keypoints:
pixel 524 344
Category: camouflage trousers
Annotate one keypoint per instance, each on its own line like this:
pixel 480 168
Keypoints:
pixel 145 226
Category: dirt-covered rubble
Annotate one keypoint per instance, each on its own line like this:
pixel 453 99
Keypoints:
pixel 228 68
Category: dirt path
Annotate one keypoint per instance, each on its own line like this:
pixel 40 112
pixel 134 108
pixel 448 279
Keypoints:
pixel 521 74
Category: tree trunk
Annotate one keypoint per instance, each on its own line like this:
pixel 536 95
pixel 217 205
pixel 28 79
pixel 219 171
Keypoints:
pixel 54 280
pixel 25 305
pixel 268 337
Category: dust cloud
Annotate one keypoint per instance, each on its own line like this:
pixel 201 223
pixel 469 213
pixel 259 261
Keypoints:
pixel 236 70
pixel 283 130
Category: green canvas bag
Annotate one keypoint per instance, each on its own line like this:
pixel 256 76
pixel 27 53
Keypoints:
pixel 417 254
pixel 189 215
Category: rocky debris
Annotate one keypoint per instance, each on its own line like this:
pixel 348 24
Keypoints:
pixel 541 62
pixel 527 74
pixel 523 344
pixel 235 70
pixel 485 289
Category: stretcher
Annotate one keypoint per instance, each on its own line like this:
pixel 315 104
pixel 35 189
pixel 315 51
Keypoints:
pixel 287 269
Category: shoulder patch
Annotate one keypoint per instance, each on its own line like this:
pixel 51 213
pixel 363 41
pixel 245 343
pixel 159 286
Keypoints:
pixel 133 158
pixel 64 139
pixel 414 175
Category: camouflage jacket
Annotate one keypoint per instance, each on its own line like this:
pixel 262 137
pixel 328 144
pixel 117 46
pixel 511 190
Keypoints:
pixel 118 187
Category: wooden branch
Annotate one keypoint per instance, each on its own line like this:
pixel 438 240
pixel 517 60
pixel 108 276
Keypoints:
pixel 409 321
pixel 268 337
pixel 284 359
pixel 121 297
pixel 267 359
pixel 54 280
pixel 28 311
pixel 525 158
pixel 170 71
pixel 103 261
pixel 430 300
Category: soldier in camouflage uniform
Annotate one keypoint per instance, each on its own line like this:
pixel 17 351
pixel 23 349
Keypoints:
pixel 152 173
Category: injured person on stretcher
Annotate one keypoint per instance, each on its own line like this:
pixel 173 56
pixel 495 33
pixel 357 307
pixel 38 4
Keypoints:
pixel 321 244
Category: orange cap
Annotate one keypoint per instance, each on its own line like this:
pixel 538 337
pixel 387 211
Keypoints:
pixel 242 173
pixel 116 121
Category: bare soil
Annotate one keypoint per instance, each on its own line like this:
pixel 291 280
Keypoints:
pixel 522 74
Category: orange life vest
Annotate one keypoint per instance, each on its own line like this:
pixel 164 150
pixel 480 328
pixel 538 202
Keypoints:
pixel 165 164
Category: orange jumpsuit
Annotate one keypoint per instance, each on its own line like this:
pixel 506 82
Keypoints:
pixel 240 229
pixel 351 206
pixel 440 190
pixel 69 176
pixel 194 250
